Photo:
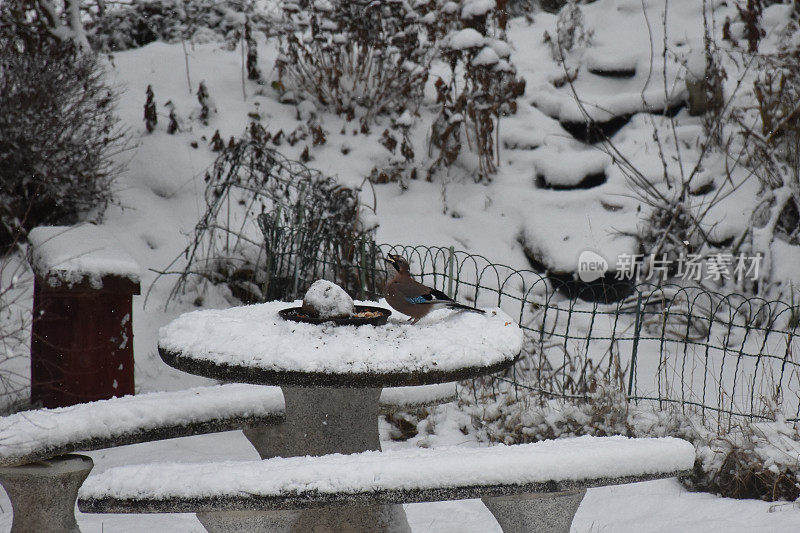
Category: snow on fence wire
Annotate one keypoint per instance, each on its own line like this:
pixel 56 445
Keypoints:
pixel 722 356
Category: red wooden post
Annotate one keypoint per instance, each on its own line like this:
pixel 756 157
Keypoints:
pixel 82 334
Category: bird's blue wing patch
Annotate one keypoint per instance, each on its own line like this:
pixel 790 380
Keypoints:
pixel 416 300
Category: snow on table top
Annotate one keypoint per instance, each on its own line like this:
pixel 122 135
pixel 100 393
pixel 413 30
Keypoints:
pixel 575 459
pixel 32 432
pixel 254 336
pixel 73 253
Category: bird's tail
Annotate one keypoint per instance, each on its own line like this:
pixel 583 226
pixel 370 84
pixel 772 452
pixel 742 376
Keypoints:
pixel 455 305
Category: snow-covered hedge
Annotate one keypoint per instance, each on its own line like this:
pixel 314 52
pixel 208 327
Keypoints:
pixel 746 460
pixel 58 131
pixel 144 21
pixel 358 58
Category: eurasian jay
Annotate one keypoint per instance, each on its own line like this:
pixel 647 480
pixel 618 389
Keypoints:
pixel 412 298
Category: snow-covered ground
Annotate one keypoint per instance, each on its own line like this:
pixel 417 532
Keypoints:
pixel 160 199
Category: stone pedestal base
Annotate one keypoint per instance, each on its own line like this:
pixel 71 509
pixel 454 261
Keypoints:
pixel 535 513
pixel 43 494
pixel 321 420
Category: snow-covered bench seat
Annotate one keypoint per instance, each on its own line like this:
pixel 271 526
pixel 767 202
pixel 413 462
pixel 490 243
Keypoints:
pixel 518 483
pixel 45 433
pixel 40 475
pixel 46 436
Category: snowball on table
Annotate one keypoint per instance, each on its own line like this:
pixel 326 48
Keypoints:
pixel 325 299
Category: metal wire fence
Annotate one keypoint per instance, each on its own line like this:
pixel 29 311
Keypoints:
pixel 722 356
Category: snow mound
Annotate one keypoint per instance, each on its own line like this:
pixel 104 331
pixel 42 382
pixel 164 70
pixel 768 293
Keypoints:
pixel 325 299
pixel 72 254
pixel 557 241
pixel 568 168
pixel 610 59
pixel 466 38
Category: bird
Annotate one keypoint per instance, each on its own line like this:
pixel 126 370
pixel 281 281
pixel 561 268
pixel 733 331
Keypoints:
pixel 403 293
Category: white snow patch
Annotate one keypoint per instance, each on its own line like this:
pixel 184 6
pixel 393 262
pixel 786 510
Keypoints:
pixel 421 395
pixel 71 254
pixel 610 59
pixel 487 56
pixel 466 38
pixel 569 167
pixel 557 240
pixel 476 8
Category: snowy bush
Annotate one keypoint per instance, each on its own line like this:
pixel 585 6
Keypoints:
pixel 571 33
pixel 253 190
pixel 758 460
pixel 135 25
pixel 482 88
pixel 774 151
pixel 16 280
pixel 358 58
pixel 144 21
pixel 58 131
pixel 516 416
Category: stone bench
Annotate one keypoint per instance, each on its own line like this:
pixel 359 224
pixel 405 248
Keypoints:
pixel 36 446
pixel 529 487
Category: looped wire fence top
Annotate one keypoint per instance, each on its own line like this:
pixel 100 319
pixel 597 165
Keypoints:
pixel 720 355
pixel 723 356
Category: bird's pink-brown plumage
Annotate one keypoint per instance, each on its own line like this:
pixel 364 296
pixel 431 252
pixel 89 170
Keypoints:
pixel 403 293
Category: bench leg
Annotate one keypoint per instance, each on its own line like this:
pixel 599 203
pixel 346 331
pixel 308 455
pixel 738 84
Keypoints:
pixel 43 494
pixel 333 519
pixel 535 513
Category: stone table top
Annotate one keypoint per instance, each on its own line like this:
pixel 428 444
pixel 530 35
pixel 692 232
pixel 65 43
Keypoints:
pixel 252 344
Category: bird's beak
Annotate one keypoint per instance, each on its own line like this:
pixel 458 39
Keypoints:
pixel 391 261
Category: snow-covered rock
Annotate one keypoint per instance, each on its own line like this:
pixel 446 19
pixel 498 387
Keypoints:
pixel 325 299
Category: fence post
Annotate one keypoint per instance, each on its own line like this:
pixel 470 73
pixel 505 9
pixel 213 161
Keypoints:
pixel 450 268
pixel 635 349
pixel 363 270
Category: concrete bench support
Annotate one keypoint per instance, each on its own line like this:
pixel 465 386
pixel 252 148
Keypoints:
pixel 43 494
pixel 319 421
pixel 329 416
pixel 361 518
pixel 535 513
